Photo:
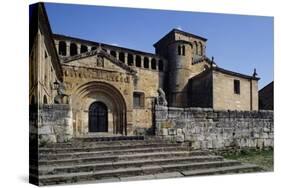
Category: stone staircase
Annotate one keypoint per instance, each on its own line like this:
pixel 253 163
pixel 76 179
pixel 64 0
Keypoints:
pixel 127 159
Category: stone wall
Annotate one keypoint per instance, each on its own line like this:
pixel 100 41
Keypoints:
pixel 224 96
pixel 201 91
pixel 210 129
pixel 54 123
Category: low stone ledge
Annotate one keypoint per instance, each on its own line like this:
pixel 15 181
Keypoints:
pixel 207 128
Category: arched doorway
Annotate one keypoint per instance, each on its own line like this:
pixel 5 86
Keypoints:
pixel 98 120
pixel 93 92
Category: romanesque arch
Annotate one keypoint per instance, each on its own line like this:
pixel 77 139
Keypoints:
pixel 99 92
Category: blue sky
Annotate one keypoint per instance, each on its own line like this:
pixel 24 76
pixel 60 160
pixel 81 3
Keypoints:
pixel 238 43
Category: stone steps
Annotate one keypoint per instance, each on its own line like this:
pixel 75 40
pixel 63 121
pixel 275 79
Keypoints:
pixel 84 142
pixel 123 160
pixel 185 169
pixel 125 157
pixel 93 152
pixel 89 148
pixel 219 170
pixel 124 164
pixel 223 170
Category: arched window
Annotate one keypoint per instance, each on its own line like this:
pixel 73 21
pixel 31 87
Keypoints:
pixel 146 62
pixel 195 49
pixel 160 65
pixel 179 50
pixel 138 61
pixel 45 100
pixel 113 53
pixel 93 48
pixel 83 49
pixel 122 57
pixel 62 48
pixel 130 60
pixel 153 64
pixel 183 50
pixel 73 49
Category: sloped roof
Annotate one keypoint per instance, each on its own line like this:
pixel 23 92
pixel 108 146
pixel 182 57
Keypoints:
pixel 235 73
pixel 180 32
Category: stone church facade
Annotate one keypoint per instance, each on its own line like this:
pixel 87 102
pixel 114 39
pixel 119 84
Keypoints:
pixel 111 89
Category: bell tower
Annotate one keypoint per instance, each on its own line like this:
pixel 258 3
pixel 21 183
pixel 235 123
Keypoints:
pixel 181 49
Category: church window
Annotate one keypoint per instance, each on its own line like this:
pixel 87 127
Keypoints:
pixel 153 64
pixel 93 48
pixel 122 57
pixel 183 50
pixel 83 49
pixel 146 63
pixel 138 100
pixel 130 60
pixel 179 50
pixel 236 86
pixel 138 61
pixel 113 53
pixel 62 48
pixel 73 49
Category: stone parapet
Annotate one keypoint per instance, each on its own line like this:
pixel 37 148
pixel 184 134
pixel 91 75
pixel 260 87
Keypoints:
pixel 211 129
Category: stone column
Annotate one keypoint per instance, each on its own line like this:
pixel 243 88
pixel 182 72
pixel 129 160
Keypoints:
pixel 89 48
pixel 134 60
pixel 78 48
pixel 142 61
pixel 157 60
pixel 67 48
pixel 149 62
pixel 117 55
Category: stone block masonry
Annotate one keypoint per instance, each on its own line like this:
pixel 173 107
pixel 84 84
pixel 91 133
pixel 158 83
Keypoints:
pixel 211 129
pixel 54 123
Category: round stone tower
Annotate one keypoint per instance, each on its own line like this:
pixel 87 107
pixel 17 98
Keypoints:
pixel 180 60
pixel 181 49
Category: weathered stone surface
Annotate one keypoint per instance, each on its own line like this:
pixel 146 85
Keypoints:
pixel 172 131
pixel 180 138
pixel 55 124
pixel 164 132
pixel 219 129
